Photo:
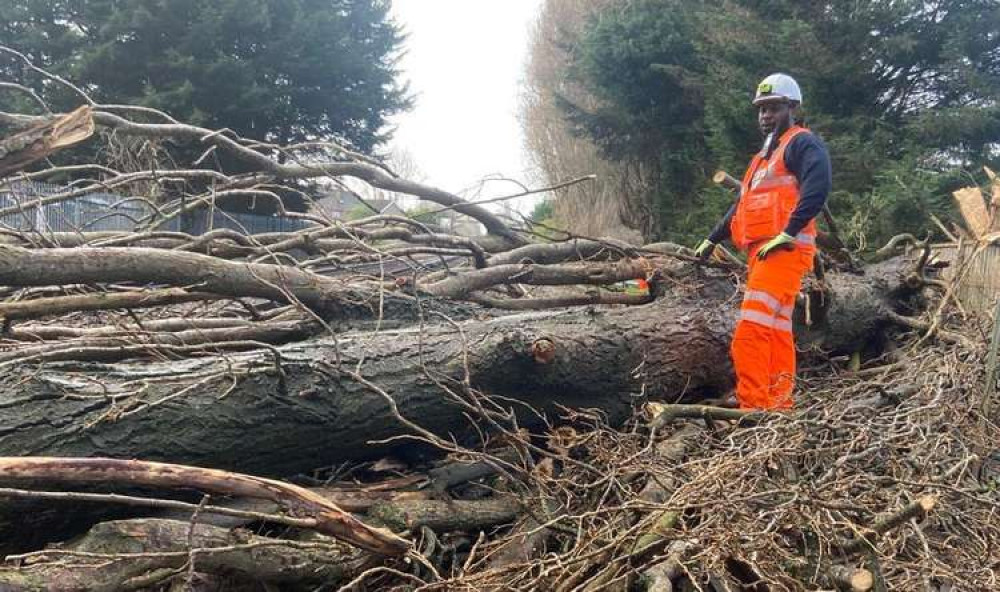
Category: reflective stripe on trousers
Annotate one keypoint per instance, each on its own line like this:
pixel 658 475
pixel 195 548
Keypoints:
pixel 768 321
pixel 763 346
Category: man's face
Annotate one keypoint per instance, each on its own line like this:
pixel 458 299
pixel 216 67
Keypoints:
pixel 774 116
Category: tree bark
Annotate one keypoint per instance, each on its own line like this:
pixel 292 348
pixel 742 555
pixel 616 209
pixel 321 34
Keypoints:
pixel 81 265
pixel 239 412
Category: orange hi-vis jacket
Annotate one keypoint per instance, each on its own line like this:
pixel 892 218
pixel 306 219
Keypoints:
pixel 769 195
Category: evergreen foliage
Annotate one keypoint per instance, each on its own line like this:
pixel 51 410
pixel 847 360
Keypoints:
pixel 275 70
pixel 905 93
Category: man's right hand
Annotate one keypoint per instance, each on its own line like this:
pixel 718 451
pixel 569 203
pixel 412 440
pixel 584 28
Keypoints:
pixel 704 250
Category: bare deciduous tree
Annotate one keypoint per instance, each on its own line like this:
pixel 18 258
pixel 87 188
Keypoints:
pixel 603 207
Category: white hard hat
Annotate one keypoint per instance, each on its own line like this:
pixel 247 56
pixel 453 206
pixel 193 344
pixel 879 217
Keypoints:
pixel 777 86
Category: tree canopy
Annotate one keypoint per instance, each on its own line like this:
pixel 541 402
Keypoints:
pixel 905 94
pixel 276 70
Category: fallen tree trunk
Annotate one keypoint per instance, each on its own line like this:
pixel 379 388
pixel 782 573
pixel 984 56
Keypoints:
pixel 324 401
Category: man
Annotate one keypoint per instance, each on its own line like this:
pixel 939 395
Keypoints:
pixel 784 188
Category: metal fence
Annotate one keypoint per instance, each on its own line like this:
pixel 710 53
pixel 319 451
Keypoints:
pixel 203 221
pixel 107 211
pixel 93 211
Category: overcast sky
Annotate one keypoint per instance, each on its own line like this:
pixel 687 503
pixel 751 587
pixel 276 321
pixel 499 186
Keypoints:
pixel 465 62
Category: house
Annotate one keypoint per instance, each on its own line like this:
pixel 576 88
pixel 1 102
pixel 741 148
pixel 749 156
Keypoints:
pixel 343 204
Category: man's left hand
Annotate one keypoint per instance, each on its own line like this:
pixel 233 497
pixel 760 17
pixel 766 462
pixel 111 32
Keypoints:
pixel 782 241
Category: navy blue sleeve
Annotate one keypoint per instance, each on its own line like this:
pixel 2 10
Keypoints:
pixel 807 158
pixel 721 231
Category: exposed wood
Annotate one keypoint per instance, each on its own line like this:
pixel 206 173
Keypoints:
pixel 973 209
pixel 852 579
pixel 20 150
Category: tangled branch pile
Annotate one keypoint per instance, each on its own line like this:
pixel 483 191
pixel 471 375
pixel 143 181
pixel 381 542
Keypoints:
pixel 442 412
pixel 882 477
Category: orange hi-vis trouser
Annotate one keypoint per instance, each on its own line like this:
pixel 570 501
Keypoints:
pixel 763 347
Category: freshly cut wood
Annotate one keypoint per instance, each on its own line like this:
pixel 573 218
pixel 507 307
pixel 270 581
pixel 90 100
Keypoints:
pixel 995 192
pixel 329 518
pixel 852 579
pixel 21 149
pixel 973 209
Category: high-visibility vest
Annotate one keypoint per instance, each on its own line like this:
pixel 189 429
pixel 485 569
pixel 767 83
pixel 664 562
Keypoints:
pixel 769 195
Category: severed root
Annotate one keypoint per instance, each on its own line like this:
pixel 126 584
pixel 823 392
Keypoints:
pixel 326 516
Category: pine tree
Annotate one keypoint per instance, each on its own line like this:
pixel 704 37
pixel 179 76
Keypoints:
pixel 276 70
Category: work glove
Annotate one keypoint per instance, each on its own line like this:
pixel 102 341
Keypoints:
pixel 704 250
pixel 782 241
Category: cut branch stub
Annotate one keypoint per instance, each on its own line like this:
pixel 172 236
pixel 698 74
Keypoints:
pixel 544 350
pixel 330 519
